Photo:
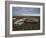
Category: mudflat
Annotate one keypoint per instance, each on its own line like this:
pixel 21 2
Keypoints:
pixel 27 25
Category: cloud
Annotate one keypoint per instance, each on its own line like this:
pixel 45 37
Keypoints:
pixel 24 10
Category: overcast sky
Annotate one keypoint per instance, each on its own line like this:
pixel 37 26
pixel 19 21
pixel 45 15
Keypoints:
pixel 25 11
